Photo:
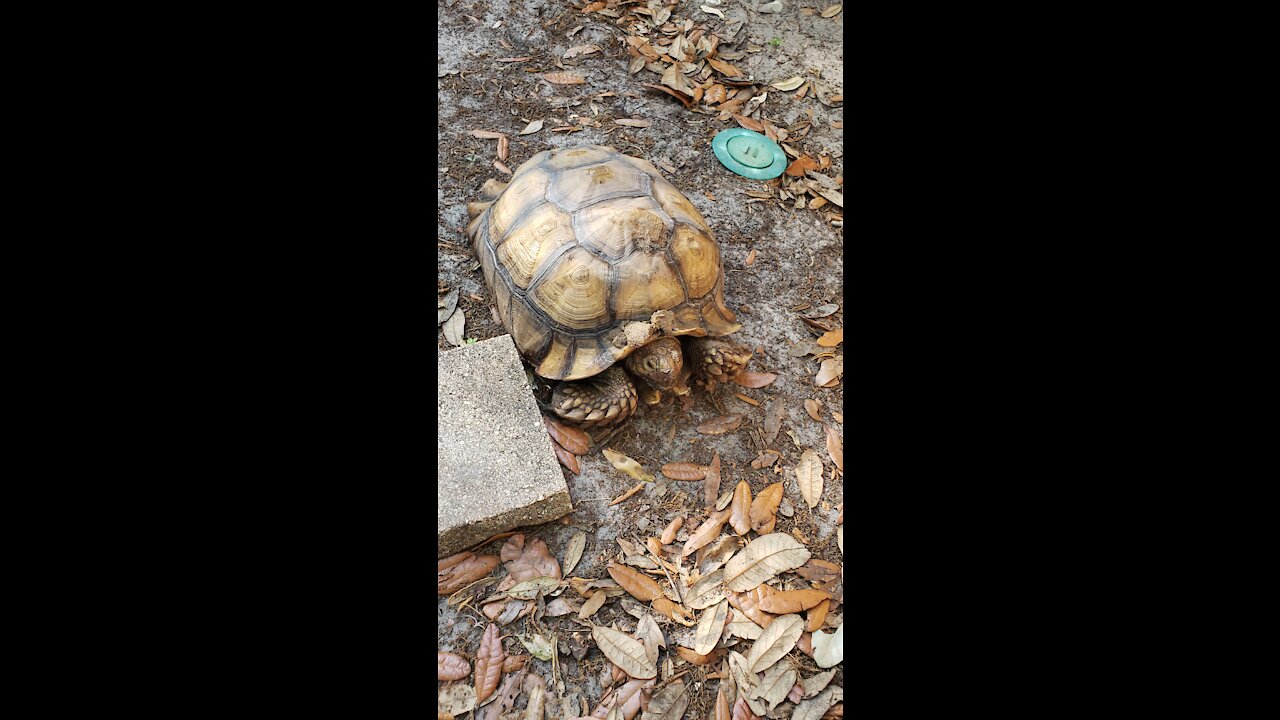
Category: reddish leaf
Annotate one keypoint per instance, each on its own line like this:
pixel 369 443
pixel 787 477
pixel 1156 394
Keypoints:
pixel 711 485
pixel 835 447
pixel 451 667
pixel 753 379
pixel 684 471
pixel 461 570
pixel 489 660
pixel 641 586
pixel 720 425
pixel 740 510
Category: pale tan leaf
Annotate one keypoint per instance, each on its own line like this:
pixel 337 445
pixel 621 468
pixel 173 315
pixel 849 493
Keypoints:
pixel 712 11
pixel 774 414
pixel 684 471
pixel 451 667
pixel 532 127
pixel 529 589
pixel 537 700
pixel 840 538
pixel 456 699
pixel 455 328
pixel 724 68
pixel 593 603
pixel 624 651
pixel 816 684
pixel 832 338
pixel 739 514
pixel 573 551
pixel 776 684
pixel 764 507
pixel 669 703
pixel 753 379
pixel 814 408
pixel 831 369
pixel 487 134
pixel 715 94
pixel 716 425
pixel 674 611
pixel 709 530
pixel 828 648
pixel 762 559
pixel 648 632
pixel 627 465
pixel 564 78
pixel 707 591
pixel 458 571
pixel 624 702
pixel 504 148
pixel 488 663
pixel 766 459
pixel 814 708
pixel 809 477
pixel 641 586
pixel 744 680
pixel 832 11
pixel 515 59
pixel 792 601
pixel 526 562
pixel 744 628
pixel 633 122
pixel 789 84
pixel 710 627
pixel 835 447
pixel 577 50
pixel 776 641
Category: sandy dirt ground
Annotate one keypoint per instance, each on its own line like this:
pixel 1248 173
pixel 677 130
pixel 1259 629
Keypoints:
pixel 796 256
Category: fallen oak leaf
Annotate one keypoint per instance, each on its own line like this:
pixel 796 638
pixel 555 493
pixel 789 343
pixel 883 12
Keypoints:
pixel 711 484
pixel 462 570
pixel 487 134
pixel 764 508
pixel 835 448
pixel 832 338
pixel 627 465
pixel 531 128
pixel 451 667
pixel 753 379
pixel 633 122
pixel 641 586
pixel 831 370
pixel 564 78
pixel 684 471
pixel 792 601
pixel 639 486
pixel 573 439
pixel 720 425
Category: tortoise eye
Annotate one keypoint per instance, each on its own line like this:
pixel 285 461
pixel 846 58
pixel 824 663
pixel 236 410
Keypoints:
pixel 650 365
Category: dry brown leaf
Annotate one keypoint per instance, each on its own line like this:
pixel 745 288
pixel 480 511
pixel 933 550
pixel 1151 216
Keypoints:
pixel 488 663
pixel 455 328
pixel 514 663
pixel 751 257
pixel 669 533
pixel 762 559
pixel 819 571
pixel 707 591
pixel 672 610
pixel 487 134
pixel 792 601
pixel 740 511
pixel 776 641
pixel 593 603
pixel 749 604
pixel 515 59
pixel 801 164
pixel 456 699
pixel 809 477
pixel 573 551
pixel 531 128
pixel 627 494
pixel 753 379
pixel 504 148
pixel 817 615
pixel 669 703
pixel 830 371
pixel 641 586
pixel 566 458
pixel 776 684
pixel 461 570
pixel 528 562
pixel 828 648
pixel 741 711
pixel 502 168
pixel 577 50
pixel 709 530
pixel 451 667
pixel 773 416
pixel 789 84
pixel 748 123
pixel 684 471
pixel 573 439
pixel 683 98
pixel 746 399
pixel 564 78
pixel 835 447
pixel 711 484
pixel 624 651
pixel 633 122
pixel 693 657
pixel 832 11
pixel 710 628
pixel 764 508
pixel 833 338
pixel 765 459
pixel 724 68
pixel 720 425
pixel 622 702
pixel 814 409
pixel 715 94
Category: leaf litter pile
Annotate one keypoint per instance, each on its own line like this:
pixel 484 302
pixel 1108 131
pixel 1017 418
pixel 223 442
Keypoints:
pixel 717 614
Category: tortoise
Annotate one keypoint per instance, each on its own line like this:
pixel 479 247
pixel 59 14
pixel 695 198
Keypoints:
pixel 593 258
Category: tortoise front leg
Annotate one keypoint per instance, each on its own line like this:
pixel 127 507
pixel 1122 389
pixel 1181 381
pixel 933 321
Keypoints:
pixel 715 360
pixel 596 402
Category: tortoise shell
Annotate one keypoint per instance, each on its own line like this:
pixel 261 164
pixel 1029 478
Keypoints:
pixel 584 241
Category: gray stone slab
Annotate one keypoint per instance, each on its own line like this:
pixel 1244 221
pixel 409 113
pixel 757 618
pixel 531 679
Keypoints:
pixel 495 466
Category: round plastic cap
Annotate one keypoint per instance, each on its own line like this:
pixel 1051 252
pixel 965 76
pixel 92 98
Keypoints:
pixel 749 154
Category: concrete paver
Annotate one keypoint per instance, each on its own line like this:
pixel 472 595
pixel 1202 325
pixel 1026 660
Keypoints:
pixel 495 466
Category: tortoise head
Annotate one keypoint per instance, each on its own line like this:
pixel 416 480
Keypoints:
pixel 660 363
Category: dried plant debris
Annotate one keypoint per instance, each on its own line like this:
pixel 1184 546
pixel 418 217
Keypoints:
pixel 457 571
pixel 627 465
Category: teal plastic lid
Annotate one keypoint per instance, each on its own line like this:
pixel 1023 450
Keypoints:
pixel 749 154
